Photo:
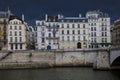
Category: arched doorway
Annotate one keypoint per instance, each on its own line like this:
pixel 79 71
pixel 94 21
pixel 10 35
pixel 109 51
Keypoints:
pixel 78 45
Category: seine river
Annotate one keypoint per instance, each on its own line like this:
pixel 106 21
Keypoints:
pixel 59 74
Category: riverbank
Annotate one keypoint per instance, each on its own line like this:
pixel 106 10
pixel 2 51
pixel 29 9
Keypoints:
pixel 97 58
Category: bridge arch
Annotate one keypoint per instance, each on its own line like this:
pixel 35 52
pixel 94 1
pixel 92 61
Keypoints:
pixel 116 62
pixel 114 56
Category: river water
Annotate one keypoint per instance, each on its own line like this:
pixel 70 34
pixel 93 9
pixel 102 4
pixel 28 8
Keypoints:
pixel 59 74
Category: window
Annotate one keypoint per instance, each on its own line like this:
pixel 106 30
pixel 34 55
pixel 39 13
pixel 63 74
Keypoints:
pixel 102 39
pixel 15 39
pixel 10 27
pixel 11 46
pixel 95 40
pixel 20 33
pixel 20 46
pixel 78 31
pixel 49 35
pixel 78 25
pixel 68 38
pixel 20 27
pixel 43 40
pixel 94 28
pixel 67 25
pixel 102 33
pixel 106 40
pixel 94 33
pixel 15 27
pixel 62 38
pixel 73 26
pixel 10 33
pixel 73 32
pixel 83 25
pixel 105 33
pixel 16 46
pixel 78 38
pixel 67 31
pixel 20 39
pixel 15 33
pixel 84 38
pixel 11 40
pixel 62 31
pixel 91 28
pixel 84 32
pixel 73 38
pixel 62 25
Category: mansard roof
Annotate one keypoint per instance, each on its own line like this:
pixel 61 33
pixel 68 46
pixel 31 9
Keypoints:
pixel 15 17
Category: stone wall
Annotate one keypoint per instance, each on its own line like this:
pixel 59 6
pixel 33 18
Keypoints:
pixel 98 58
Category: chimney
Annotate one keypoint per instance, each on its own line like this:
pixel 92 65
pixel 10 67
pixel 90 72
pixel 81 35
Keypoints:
pixel 46 17
pixel 80 15
pixel 23 17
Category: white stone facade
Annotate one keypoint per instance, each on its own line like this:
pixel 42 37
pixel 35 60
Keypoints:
pixel 16 34
pixel 47 33
pixel 99 24
pixel 73 32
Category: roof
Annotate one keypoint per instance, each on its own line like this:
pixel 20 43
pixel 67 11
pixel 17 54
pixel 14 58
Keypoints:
pixel 15 17
pixel 73 19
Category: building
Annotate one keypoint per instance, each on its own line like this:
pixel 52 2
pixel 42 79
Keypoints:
pixel 47 33
pixel 17 34
pixel 115 34
pixel 73 32
pixel 32 37
pixel 4 16
pixel 99 24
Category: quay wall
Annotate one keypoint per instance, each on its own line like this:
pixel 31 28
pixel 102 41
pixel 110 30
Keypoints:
pixel 97 58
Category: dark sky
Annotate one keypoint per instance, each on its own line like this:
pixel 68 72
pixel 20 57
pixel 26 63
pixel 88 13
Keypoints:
pixel 36 9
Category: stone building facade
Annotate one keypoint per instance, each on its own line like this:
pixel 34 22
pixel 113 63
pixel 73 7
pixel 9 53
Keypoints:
pixel 17 34
pixel 47 33
pixel 4 16
pixel 99 24
pixel 115 34
pixel 73 32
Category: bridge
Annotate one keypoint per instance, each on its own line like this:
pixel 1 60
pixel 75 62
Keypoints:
pixel 115 58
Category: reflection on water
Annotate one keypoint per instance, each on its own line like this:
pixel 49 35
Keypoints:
pixel 59 74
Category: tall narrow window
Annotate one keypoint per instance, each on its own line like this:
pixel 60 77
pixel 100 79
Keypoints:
pixel 68 38
pixel 62 25
pixel 67 31
pixel 84 32
pixel 67 25
pixel 78 38
pixel 16 46
pixel 20 46
pixel 20 28
pixel 73 25
pixel 15 39
pixel 15 27
pixel 73 32
pixel 11 40
pixel 73 38
pixel 62 38
pixel 83 25
pixel 20 33
pixel 10 33
pixel 20 39
pixel 62 31
pixel 10 27
pixel 15 33
pixel 78 31
pixel 78 25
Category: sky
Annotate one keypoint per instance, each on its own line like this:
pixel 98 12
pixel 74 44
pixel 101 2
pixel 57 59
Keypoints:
pixel 36 9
